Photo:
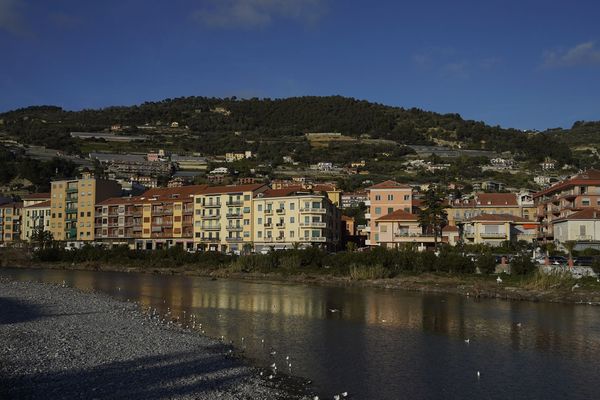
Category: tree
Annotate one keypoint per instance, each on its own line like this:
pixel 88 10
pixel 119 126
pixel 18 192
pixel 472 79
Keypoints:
pixel 433 216
pixel 42 238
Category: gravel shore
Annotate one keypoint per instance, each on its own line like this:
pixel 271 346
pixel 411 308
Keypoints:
pixel 61 343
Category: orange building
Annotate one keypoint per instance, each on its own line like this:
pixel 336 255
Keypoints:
pixel 385 198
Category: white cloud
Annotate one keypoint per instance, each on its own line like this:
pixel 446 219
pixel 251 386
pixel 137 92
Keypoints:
pixel 10 17
pixel 582 54
pixel 247 14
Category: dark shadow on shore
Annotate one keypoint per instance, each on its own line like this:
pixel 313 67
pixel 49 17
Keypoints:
pixel 14 311
pixel 169 376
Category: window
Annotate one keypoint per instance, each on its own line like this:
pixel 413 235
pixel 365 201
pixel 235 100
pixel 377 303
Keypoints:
pixel 246 222
pixel 390 197
pixel 292 220
pixel 246 197
pixel 246 234
pixel 582 230
pixel 259 234
pixel 585 202
pixel 377 210
pixel 246 209
pixel 260 221
pixel 407 197
pixel 291 234
pixel 292 206
pixel 383 228
pixel 377 197
pixel 259 207
pixel 390 210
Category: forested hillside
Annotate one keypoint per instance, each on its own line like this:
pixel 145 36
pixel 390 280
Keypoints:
pixel 266 119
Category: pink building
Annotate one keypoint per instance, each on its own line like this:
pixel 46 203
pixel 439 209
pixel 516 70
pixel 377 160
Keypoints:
pixel 385 198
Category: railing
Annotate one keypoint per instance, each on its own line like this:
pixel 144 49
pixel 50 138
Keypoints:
pixel 268 225
pixel 217 216
pixel 313 224
pixel 585 238
pixel 234 239
pixel 280 225
pixel 280 238
pixel 71 190
pixel 211 205
pixel 268 239
pixel 235 228
pixel 268 211
pixel 234 215
pixel 313 239
pixel 211 228
pixel 234 202
pixel 493 235
pixel 315 210
pixel 280 210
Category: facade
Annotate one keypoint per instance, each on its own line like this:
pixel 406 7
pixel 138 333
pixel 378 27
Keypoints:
pixel 35 216
pixel 223 217
pixel 517 204
pixel 567 197
pixel 385 198
pixel 160 218
pixel 10 222
pixel 288 218
pixel 582 227
pixel 401 228
pixel 493 229
pixel 72 206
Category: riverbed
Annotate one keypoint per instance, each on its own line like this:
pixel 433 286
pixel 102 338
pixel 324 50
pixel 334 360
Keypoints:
pixel 376 343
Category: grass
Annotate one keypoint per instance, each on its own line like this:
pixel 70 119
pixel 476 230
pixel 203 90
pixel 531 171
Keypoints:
pixel 543 281
pixel 370 272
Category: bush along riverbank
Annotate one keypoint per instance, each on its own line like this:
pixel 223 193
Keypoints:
pixel 451 270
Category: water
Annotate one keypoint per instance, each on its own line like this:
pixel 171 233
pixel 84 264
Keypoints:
pixel 381 344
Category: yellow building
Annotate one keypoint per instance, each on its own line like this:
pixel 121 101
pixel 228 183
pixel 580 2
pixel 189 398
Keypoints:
pixel 10 222
pixel 223 217
pixel 35 216
pixel 72 206
pixel 493 229
pixel 285 218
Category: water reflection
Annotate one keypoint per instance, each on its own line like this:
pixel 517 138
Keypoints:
pixel 381 344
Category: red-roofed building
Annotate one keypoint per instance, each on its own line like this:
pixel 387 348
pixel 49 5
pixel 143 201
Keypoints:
pixel 401 228
pixel 565 198
pixel 517 204
pixel 385 198
pixel 582 226
pixel 493 229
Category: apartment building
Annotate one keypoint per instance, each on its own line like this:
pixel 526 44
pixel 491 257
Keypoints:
pixel 493 229
pixel 517 204
pixel 72 206
pixel 223 217
pixel 10 222
pixel 160 218
pixel 288 218
pixel 582 227
pixel 567 197
pixel 385 198
pixel 401 228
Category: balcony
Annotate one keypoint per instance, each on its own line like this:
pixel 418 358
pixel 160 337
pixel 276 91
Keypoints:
pixel 235 203
pixel 188 210
pixel 313 224
pixel 313 210
pixel 313 239
pixel 584 238
pixel 71 199
pixel 71 190
pixel 268 211
pixel 167 211
pixel 268 239
pixel 469 235
pixel 211 228
pixel 493 235
pixel 235 228
pixel 211 239
pixel 211 205
pixel 280 211
pixel 280 225
pixel 234 239
pixel 280 238
pixel 268 225
pixel 234 215
pixel 217 216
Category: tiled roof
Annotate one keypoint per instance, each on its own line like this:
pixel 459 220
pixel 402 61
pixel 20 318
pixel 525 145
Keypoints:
pixel 36 196
pixel 288 191
pixel 499 218
pixel 389 185
pixel 450 228
pixel 14 204
pixel 233 188
pixel 588 177
pixel 585 214
pixel 398 215
pixel 488 200
pixel 42 204
pixel 183 191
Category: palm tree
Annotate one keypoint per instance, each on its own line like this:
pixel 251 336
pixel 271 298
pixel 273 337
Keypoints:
pixel 433 216
pixel 42 237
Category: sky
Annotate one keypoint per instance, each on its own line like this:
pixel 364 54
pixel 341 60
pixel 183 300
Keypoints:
pixel 527 64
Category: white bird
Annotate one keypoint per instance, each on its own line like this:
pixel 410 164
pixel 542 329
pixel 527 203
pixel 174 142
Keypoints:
pixel 270 376
pixel 287 358
pixel 334 310
pixel 273 365
pixel 273 353
pixel 344 394
pixel 499 280
pixel 519 324
pixel 575 286
pixel 316 398
pixel 467 341
pixel 336 397
pixel 478 375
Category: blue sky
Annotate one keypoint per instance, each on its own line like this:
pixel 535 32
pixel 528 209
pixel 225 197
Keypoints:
pixel 525 64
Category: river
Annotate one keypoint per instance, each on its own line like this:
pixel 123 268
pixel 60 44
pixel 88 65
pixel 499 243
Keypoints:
pixel 378 343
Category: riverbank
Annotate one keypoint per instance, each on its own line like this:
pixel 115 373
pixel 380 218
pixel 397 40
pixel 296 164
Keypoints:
pixel 477 286
pixel 59 342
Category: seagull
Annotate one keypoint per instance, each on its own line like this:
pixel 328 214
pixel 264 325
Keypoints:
pixel 336 397
pixel 316 398
pixel 478 375
pixel 273 353
pixel 334 310
pixel 273 365
pixel 344 394
pixel 287 358
pixel 519 324
pixel 575 286
pixel 467 341
pixel 499 280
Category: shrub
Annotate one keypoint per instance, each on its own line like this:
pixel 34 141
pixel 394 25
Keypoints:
pixel 486 263
pixel 522 265
pixel 370 272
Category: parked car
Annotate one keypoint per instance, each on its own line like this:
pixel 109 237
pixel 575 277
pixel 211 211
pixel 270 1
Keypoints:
pixel 583 261
pixel 558 260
